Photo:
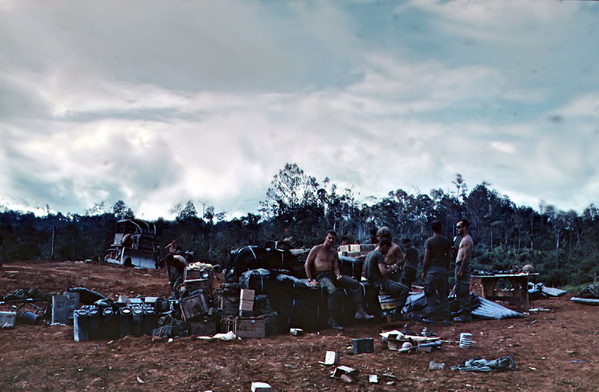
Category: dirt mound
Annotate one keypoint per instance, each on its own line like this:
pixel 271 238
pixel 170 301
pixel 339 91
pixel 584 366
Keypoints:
pixel 553 351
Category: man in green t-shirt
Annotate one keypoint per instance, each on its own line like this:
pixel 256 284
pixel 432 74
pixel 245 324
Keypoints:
pixel 376 270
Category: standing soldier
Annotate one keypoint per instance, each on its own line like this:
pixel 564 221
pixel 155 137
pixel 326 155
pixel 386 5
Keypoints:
pixel 175 270
pixel 172 247
pixel 435 270
pixel 463 272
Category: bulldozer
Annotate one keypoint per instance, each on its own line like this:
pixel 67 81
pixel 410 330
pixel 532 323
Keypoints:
pixel 133 244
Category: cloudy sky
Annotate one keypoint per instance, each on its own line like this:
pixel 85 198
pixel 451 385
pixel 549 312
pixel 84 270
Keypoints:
pixel 159 102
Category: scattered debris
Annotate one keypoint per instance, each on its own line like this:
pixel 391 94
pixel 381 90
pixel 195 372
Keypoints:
pixel 493 311
pixel 428 347
pixel 345 370
pixel 483 365
pixel 465 340
pixel 364 345
pixel 545 291
pixel 331 358
pixel 261 387
pixel 225 336
pixel 7 319
pixel 436 366
pixel 405 347
pixel 586 301
pixel 396 339
pixel 537 310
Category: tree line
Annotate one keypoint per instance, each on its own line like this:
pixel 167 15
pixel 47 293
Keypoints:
pixel 562 246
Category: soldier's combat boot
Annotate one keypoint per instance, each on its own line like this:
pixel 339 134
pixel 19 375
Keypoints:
pixel 334 324
pixel 362 315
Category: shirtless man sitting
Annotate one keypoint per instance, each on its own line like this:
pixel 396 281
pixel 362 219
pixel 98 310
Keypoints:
pixel 394 259
pixel 322 269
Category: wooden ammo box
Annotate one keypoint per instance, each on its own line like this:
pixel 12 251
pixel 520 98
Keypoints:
pixel 226 324
pixel 196 279
pixel 203 328
pixel 250 327
pixel 193 306
pixel 197 284
pixel 229 304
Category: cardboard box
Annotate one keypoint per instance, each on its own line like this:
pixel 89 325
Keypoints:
pixel 246 305
pixel 362 249
pixel 250 327
pixel 247 294
pixel 343 248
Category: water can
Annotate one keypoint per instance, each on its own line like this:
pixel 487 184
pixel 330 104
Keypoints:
pixel 81 326
pixel 125 317
pixel 137 319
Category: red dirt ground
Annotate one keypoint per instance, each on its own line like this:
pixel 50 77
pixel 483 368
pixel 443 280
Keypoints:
pixel 554 351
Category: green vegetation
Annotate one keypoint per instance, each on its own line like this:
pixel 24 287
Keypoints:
pixel 562 246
